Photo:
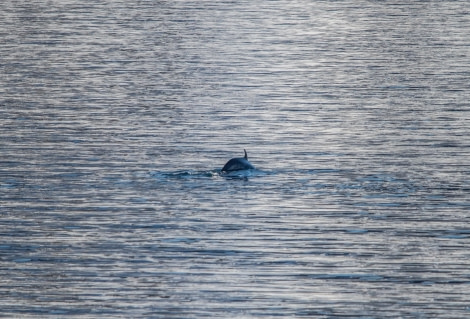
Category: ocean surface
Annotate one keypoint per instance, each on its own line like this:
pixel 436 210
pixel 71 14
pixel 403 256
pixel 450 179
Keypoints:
pixel 117 116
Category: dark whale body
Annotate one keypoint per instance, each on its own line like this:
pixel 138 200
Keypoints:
pixel 238 164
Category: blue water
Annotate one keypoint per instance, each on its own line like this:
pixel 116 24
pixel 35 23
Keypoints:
pixel 116 118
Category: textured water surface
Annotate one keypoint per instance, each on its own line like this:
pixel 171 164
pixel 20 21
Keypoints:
pixel 116 117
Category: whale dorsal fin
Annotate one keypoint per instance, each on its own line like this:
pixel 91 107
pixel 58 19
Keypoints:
pixel 246 156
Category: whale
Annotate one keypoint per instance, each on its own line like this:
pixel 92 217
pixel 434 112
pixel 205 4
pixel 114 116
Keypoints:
pixel 238 164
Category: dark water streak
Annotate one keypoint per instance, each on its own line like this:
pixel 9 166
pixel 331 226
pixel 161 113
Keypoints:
pixel 116 117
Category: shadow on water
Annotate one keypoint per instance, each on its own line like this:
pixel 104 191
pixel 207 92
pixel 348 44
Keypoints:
pixel 184 174
pixel 343 192
pixel 339 180
pixel 209 174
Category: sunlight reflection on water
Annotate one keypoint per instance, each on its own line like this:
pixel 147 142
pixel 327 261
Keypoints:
pixel 117 118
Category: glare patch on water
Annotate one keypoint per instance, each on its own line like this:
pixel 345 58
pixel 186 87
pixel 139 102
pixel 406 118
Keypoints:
pixel 117 117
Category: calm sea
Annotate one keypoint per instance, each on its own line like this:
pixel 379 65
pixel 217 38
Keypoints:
pixel 116 117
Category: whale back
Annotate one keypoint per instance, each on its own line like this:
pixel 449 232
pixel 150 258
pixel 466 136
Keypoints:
pixel 238 164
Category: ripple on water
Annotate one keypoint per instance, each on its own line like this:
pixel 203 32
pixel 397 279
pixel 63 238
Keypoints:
pixel 117 117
